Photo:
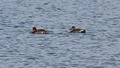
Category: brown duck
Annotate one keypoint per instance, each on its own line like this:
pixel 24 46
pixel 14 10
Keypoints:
pixel 75 30
pixel 38 31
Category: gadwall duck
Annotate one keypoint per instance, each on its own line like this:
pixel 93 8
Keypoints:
pixel 75 30
pixel 39 31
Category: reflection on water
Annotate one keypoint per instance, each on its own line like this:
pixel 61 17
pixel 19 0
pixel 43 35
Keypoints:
pixel 97 48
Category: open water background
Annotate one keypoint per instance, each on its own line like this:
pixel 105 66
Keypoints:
pixel 99 47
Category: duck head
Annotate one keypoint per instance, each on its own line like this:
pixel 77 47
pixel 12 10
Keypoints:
pixel 73 27
pixel 34 29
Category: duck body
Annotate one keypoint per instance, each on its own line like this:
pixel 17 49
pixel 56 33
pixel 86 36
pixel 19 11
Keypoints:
pixel 75 30
pixel 39 31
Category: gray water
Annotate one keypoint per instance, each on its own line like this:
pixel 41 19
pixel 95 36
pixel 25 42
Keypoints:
pixel 99 47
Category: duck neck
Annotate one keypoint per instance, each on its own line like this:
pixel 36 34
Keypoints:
pixel 33 31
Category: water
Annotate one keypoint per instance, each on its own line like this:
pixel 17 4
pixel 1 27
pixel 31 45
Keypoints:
pixel 99 47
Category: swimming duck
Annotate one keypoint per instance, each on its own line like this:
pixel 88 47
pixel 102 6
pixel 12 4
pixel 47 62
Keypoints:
pixel 75 30
pixel 38 31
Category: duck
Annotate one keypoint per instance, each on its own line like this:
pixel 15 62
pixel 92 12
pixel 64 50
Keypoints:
pixel 38 31
pixel 75 30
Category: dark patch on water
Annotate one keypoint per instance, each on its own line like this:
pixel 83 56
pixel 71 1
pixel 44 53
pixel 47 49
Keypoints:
pixel 39 8
pixel 95 67
pixel 46 3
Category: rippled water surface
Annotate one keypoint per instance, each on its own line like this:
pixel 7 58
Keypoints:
pixel 99 47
